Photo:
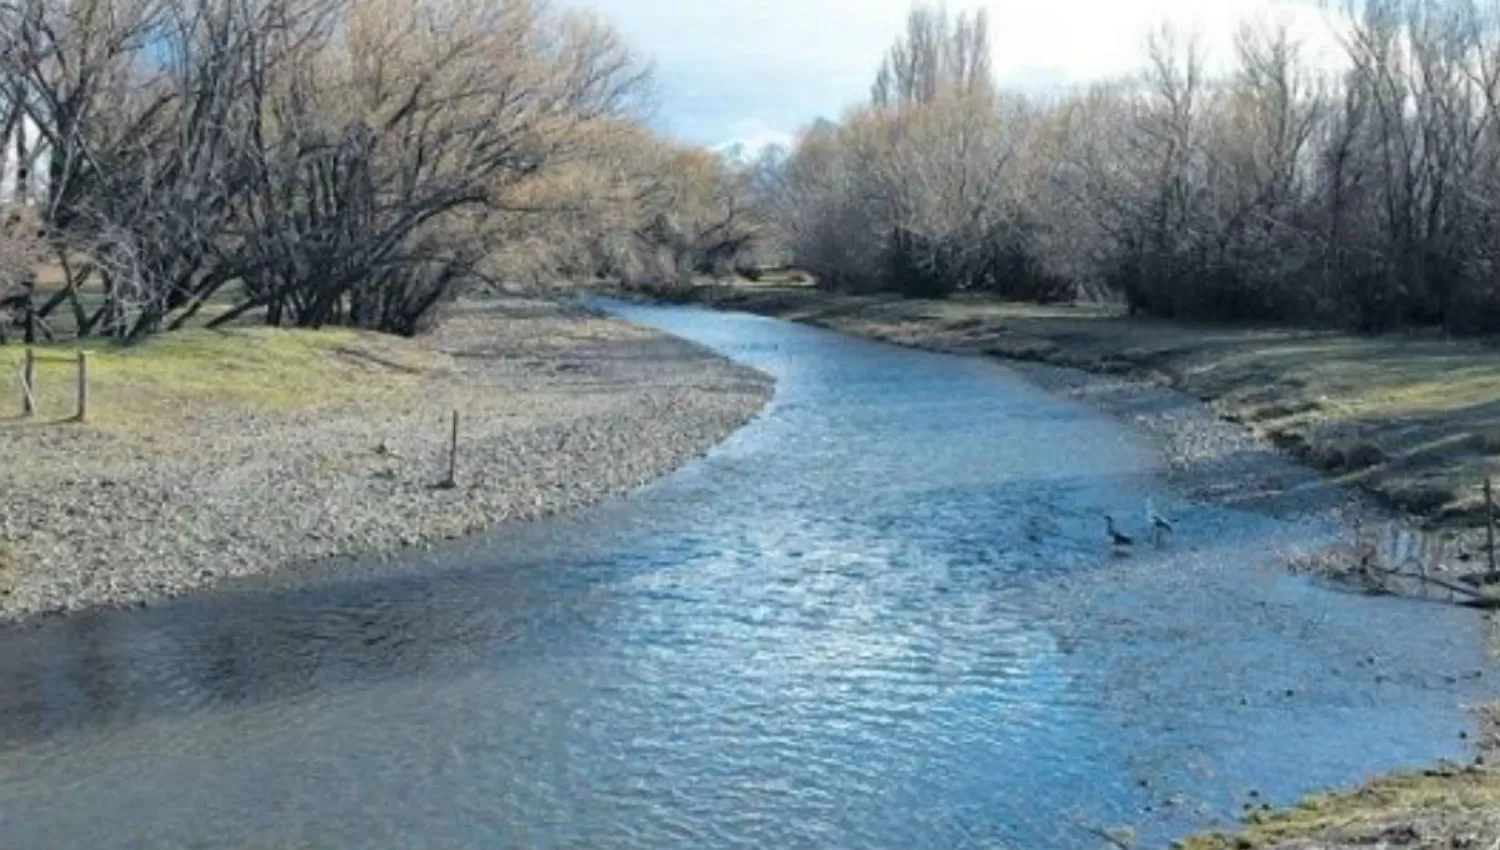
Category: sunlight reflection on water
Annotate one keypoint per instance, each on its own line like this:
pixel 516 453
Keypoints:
pixel 879 616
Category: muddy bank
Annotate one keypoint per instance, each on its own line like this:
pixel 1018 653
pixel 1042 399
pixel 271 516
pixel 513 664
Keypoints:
pixel 559 408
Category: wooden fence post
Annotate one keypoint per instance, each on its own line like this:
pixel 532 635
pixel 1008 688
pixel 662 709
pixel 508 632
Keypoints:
pixel 28 384
pixel 452 480
pixel 1489 522
pixel 83 386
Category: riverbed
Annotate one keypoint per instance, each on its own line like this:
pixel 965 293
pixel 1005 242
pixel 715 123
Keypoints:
pixel 881 615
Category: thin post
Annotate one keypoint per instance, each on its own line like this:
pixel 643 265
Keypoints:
pixel 1424 550
pixel 28 384
pixel 83 386
pixel 453 454
pixel 1489 521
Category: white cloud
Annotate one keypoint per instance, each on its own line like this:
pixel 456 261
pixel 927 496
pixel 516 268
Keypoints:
pixel 756 70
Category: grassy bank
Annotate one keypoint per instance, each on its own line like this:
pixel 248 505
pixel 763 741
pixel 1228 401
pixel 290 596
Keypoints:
pixel 1446 808
pixel 138 389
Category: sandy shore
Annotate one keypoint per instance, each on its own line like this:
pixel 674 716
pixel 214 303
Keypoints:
pixel 559 409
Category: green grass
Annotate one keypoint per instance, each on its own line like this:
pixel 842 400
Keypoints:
pixel 62 321
pixel 176 375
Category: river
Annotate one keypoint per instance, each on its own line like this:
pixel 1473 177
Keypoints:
pixel 879 616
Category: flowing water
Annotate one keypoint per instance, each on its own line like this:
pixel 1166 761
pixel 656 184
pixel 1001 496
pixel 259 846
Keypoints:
pixel 880 616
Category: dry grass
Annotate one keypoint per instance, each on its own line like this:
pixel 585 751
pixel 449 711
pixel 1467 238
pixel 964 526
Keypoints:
pixel 1419 809
pixel 50 277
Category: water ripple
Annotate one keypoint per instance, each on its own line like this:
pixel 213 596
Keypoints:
pixel 878 617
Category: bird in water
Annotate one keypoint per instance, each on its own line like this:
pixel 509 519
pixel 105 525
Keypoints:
pixel 1117 538
pixel 1157 523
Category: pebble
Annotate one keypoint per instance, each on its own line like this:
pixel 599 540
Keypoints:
pixel 294 488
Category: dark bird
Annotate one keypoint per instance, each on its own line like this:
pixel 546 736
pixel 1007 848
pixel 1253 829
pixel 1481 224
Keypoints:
pixel 1116 537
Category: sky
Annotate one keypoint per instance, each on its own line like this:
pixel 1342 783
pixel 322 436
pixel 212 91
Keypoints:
pixel 754 71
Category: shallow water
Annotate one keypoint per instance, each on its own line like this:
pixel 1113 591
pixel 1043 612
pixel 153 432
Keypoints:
pixel 879 616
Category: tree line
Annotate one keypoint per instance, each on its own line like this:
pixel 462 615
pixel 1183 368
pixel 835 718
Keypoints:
pixel 1365 194
pixel 310 162
pixel 314 162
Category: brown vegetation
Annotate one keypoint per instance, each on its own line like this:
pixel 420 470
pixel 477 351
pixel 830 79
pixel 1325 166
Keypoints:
pixel 1437 809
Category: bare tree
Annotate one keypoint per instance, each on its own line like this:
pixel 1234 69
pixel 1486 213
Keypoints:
pixel 937 55
pixel 1370 195
pixel 315 161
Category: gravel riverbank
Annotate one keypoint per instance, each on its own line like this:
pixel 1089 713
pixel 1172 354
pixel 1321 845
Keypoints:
pixel 1207 458
pixel 559 409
